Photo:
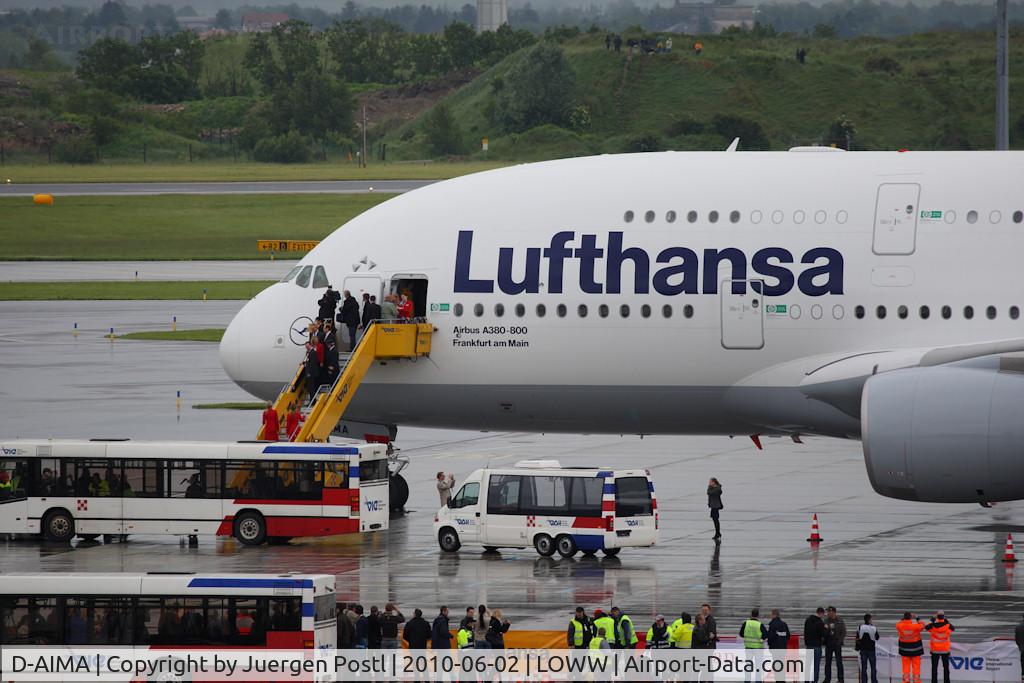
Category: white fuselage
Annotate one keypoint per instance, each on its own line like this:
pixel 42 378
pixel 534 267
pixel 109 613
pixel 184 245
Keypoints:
pixel 910 233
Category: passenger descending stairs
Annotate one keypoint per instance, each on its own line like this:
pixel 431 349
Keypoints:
pixel 381 341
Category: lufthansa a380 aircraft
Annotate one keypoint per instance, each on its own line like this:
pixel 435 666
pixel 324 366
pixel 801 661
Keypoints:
pixel 874 296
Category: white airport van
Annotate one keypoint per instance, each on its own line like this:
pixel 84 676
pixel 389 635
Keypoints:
pixel 552 508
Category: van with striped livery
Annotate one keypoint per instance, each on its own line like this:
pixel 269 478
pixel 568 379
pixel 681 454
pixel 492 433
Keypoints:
pixel 559 509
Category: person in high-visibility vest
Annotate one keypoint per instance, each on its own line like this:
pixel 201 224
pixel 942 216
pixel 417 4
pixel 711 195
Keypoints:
pixel 603 621
pixel 753 631
pixel 939 633
pixel 464 638
pixel 577 637
pixel 625 634
pixel 658 634
pixel 911 648
pixel 681 632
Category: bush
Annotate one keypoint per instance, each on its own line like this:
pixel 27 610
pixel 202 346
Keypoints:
pixel 644 143
pixel 684 125
pixel 750 133
pixel 841 133
pixel 538 90
pixel 290 148
pixel 444 137
pixel 883 64
pixel 77 150
pixel 579 118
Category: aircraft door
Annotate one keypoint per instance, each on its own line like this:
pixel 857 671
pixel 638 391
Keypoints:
pixel 896 219
pixel 742 314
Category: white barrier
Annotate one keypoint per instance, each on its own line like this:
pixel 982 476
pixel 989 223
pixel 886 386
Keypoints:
pixel 990 661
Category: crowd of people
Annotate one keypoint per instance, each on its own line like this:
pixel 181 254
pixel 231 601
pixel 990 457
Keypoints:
pixel 322 363
pixel 479 628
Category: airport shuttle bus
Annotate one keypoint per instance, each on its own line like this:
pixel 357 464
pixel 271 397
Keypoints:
pixel 290 611
pixel 254 491
pixel 552 508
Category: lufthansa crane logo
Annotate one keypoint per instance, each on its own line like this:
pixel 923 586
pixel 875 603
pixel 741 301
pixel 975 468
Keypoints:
pixel 298 332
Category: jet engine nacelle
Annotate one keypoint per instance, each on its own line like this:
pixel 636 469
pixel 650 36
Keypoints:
pixel 945 434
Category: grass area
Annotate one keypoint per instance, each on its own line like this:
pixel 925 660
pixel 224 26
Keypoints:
pixel 228 406
pixel 130 291
pixel 242 170
pixel 169 227
pixel 205 335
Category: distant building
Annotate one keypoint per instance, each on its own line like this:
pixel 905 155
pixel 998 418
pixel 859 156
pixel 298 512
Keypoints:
pixel 197 24
pixel 699 17
pixel 490 14
pixel 257 22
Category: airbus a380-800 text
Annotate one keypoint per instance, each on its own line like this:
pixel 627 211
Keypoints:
pixel 874 296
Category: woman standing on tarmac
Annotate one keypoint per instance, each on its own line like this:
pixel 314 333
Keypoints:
pixel 480 628
pixel 715 503
pixel 498 628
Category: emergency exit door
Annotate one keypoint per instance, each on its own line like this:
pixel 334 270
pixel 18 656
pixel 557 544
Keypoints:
pixel 364 284
pixel 742 314
pixel 896 219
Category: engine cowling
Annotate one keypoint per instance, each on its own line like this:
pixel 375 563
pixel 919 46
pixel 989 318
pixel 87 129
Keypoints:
pixel 945 434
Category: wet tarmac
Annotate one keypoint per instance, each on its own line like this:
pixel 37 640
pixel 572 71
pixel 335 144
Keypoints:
pixel 63 271
pixel 878 555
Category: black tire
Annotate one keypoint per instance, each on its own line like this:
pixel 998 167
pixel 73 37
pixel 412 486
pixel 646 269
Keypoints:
pixel 448 539
pixel 278 540
pixel 88 537
pixel 58 526
pixel 490 548
pixel 589 553
pixel 611 552
pixel 250 528
pixel 544 545
pixel 566 545
pixel 398 492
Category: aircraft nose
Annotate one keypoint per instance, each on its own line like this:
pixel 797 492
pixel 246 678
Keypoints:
pixel 231 346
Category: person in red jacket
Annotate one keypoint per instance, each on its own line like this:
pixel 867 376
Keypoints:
pixel 271 424
pixel 910 646
pixel 405 307
pixel 292 421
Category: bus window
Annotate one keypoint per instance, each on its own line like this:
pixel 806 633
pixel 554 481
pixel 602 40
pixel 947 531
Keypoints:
pixel 544 496
pixel 468 495
pixel 503 494
pixel 108 620
pixel 286 614
pixel 212 478
pixel 585 500
pixel 250 621
pixel 48 480
pixel 143 479
pixel 336 475
pixel 186 480
pixel 249 479
pixel 325 608
pixel 13 479
pixel 30 621
pixel 632 497
pixel 217 621
pixel 373 470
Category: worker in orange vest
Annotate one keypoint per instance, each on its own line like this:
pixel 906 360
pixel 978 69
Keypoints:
pixel 911 647
pixel 938 632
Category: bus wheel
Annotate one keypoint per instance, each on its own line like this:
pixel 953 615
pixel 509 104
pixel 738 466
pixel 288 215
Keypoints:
pixel 611 552
pixel 88 537
pixel 278 540
pixel 490 548
pixel 250 528
pixel 544 545
pixel 58 526
pixel 448 539
pixel 566 545
pixel 398 492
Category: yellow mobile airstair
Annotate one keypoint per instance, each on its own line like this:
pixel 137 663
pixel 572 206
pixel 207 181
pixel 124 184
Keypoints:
pixel 381 341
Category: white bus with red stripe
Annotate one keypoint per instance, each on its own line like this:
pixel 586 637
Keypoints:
pixel 553 508
pixel 255 491
pixel 169 610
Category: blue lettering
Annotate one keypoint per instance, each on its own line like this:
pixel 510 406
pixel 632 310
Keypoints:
pixel 676 270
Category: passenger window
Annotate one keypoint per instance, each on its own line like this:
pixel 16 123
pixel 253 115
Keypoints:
pixel 924 312
pixel 645 311
pixel 458 310
pixel 468 495
pixel 541 310
pixel 585 498
pixel 666 311
pixel 713 217
pixel 624 310
pixel 880 312
pixel 687 311
pixel 478 310
pixel 692 216
pixel 144 479
pixel 291 274
pixel 581 310
pixel 1014 312
pixel 602 310
pixel 561 310
pixel 336 475
pixel 972 216
pixel 628 217
pixel 632 497
pixel 858 312
pixel 520 310
pixel 1018 216
pixel 968 312
pixel 13 479
pixel 649 216
pixel 503 494
pixel 302 280
pixel 499 310
pixel 734 216
pixel 902 312
pixel 320 280
pixel 670 217
pixel 544 495
pixel 990 312
pixel 947 312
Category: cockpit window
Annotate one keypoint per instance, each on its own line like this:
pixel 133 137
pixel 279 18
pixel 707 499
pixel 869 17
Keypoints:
pixel 320 278
pixel 303 278
pixel 291 273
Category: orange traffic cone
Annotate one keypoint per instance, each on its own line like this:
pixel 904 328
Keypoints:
pixel 815 536
pixel 1008 554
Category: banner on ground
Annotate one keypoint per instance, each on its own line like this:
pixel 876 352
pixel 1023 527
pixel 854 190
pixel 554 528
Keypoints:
pixel 990 661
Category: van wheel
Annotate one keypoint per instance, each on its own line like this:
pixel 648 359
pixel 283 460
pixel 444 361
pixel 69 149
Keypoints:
pixel 59 526
pixel 566 546
pixel 250 528
pixel 490 548
pixel 544 545
pixel 448 539
pixel 589 553
pixel 611 552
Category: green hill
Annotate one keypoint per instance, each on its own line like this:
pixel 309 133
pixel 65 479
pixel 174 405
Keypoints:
pixel 928 91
